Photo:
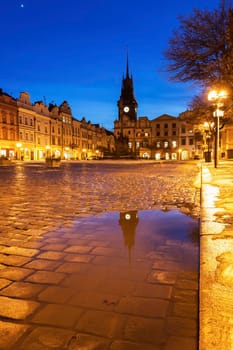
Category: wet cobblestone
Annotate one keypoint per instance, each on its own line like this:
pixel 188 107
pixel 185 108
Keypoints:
pixel 35 199
pixel 65 286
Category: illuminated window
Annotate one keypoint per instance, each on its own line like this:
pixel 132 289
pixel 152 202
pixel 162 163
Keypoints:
pixel 174 144
pixel 157 144
pixel 165 144
pixel 130 144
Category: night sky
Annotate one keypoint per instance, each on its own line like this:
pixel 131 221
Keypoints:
pixel 75 50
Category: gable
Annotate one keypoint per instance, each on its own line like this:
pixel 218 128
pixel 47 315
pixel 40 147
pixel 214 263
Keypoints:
pixel 164 117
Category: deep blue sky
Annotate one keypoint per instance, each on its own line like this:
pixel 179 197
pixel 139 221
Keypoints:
pixel 75 50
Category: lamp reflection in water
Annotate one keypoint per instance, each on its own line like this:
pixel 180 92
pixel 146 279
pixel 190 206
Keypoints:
pixel 128 222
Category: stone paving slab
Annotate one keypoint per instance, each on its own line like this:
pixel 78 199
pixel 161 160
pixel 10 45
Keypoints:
pixel 102 323
pixel 58 315
pixel 10 333
pixel 23 290
pixel 47 338
pixel 16 308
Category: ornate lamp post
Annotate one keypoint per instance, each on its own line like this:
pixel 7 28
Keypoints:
pixel 217 98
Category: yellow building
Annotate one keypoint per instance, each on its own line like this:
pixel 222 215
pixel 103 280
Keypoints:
pixel 34 131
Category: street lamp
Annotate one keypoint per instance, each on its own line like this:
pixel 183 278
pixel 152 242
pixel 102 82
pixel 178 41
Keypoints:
pixel 217 97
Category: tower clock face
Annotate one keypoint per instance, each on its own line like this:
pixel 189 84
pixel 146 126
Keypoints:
pixel 126 109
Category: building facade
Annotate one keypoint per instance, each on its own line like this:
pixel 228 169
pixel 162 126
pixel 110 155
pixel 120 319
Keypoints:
pixel 164 137
pixel 34 131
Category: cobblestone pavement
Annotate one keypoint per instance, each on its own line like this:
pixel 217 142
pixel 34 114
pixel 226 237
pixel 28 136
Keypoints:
pixel 216 259
pixel 65 285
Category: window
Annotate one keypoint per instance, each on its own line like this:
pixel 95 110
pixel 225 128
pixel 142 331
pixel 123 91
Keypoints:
pixel 165 133
pixel 20 119
pixel 158 133
pixel 174 144
pixel 165 126
pixel 26 121
pixel 174 133
pixel 20 135
pixel 174 125
pixel 158 144
pixel 157 126
pixel 183 142
pixel 12 134
pixel 146 134
pixel 165 144
pixel 38 128
pixel 4 133
pixel 4 119
pixel 26 136
pixel 130 144
pixel 12 120
pixel 137 144
pixel 190 142
pixel 31 122
pixel 183 130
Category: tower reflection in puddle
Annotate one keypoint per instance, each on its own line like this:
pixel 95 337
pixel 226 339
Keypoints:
pixel 128 222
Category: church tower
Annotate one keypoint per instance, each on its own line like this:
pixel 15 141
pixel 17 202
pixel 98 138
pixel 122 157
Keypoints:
pixel 127 104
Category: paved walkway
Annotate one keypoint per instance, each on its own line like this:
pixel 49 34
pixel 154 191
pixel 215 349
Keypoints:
pixel 216 260
pixel 68 285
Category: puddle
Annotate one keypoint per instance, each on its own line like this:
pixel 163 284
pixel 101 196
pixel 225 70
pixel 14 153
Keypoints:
pixel 137 234
pixel 128 278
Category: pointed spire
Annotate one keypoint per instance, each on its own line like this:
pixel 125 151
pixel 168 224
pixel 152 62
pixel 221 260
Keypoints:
pixel 127 64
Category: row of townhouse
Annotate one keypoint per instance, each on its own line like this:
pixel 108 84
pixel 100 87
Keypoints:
pixel 165 137
pixel 34 131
